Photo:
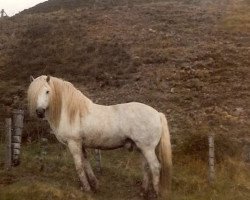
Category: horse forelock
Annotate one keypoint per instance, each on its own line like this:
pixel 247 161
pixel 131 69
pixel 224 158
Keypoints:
pixel 33 92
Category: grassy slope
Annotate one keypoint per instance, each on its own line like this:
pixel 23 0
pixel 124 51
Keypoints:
pixel 120 179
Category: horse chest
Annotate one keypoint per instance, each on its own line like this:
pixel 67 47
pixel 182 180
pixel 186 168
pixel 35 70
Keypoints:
pixel 61 138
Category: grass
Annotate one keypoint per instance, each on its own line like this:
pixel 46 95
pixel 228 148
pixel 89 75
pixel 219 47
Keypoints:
pixel 120 177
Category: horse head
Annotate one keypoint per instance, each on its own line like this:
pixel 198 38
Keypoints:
pixel 39 95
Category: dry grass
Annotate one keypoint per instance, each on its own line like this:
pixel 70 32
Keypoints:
pixel 120 179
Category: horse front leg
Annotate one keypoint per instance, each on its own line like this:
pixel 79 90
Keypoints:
pixel 75 148
pixel 89 171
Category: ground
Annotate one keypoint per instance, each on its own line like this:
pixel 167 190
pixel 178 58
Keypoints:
pixel 188 59
pixel 120 177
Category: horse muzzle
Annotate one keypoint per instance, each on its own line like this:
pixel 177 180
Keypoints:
pixel 40 112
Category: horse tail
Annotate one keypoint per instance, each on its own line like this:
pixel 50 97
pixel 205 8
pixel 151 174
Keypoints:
pixel 165 158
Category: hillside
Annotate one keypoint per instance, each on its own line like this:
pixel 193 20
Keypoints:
pixel 186 58
pixel 189 59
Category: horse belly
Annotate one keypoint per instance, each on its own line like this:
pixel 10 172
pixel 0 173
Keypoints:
pixel 104 141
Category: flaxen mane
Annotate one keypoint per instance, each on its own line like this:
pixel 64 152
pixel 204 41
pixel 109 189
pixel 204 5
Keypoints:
pixel 55 104
pixel 63 95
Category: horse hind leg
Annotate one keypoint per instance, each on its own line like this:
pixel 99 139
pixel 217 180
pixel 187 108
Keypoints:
pixel 89 171
pixel 154 166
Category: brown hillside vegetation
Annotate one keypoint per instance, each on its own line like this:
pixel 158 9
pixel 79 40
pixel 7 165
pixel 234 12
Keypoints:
pixel 188 58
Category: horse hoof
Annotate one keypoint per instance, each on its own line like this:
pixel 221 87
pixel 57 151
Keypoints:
pixel 95 186
pixel 86 189
pixel 154 195
pixel 145 194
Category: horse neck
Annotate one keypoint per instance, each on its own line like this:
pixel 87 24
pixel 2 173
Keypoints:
pixel 77 95
pixel 73 102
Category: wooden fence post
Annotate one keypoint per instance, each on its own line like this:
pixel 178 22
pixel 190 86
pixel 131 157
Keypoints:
pixel 98 159
pixel 211 175
pixel 8 152
pixel 18 116
pixel 3 13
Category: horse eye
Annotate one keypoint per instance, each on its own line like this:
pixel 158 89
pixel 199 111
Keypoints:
pixel 47 92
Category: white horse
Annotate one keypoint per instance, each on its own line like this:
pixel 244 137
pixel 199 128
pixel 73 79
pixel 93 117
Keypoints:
pixel 80 123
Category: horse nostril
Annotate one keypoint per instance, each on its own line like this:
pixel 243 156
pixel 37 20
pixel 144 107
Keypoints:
pixel 40 111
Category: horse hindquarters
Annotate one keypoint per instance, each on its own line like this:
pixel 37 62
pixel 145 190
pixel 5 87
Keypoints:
pixel 160 165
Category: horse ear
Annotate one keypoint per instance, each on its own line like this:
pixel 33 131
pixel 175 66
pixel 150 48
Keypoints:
pixel 31 79
pixel 48 79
